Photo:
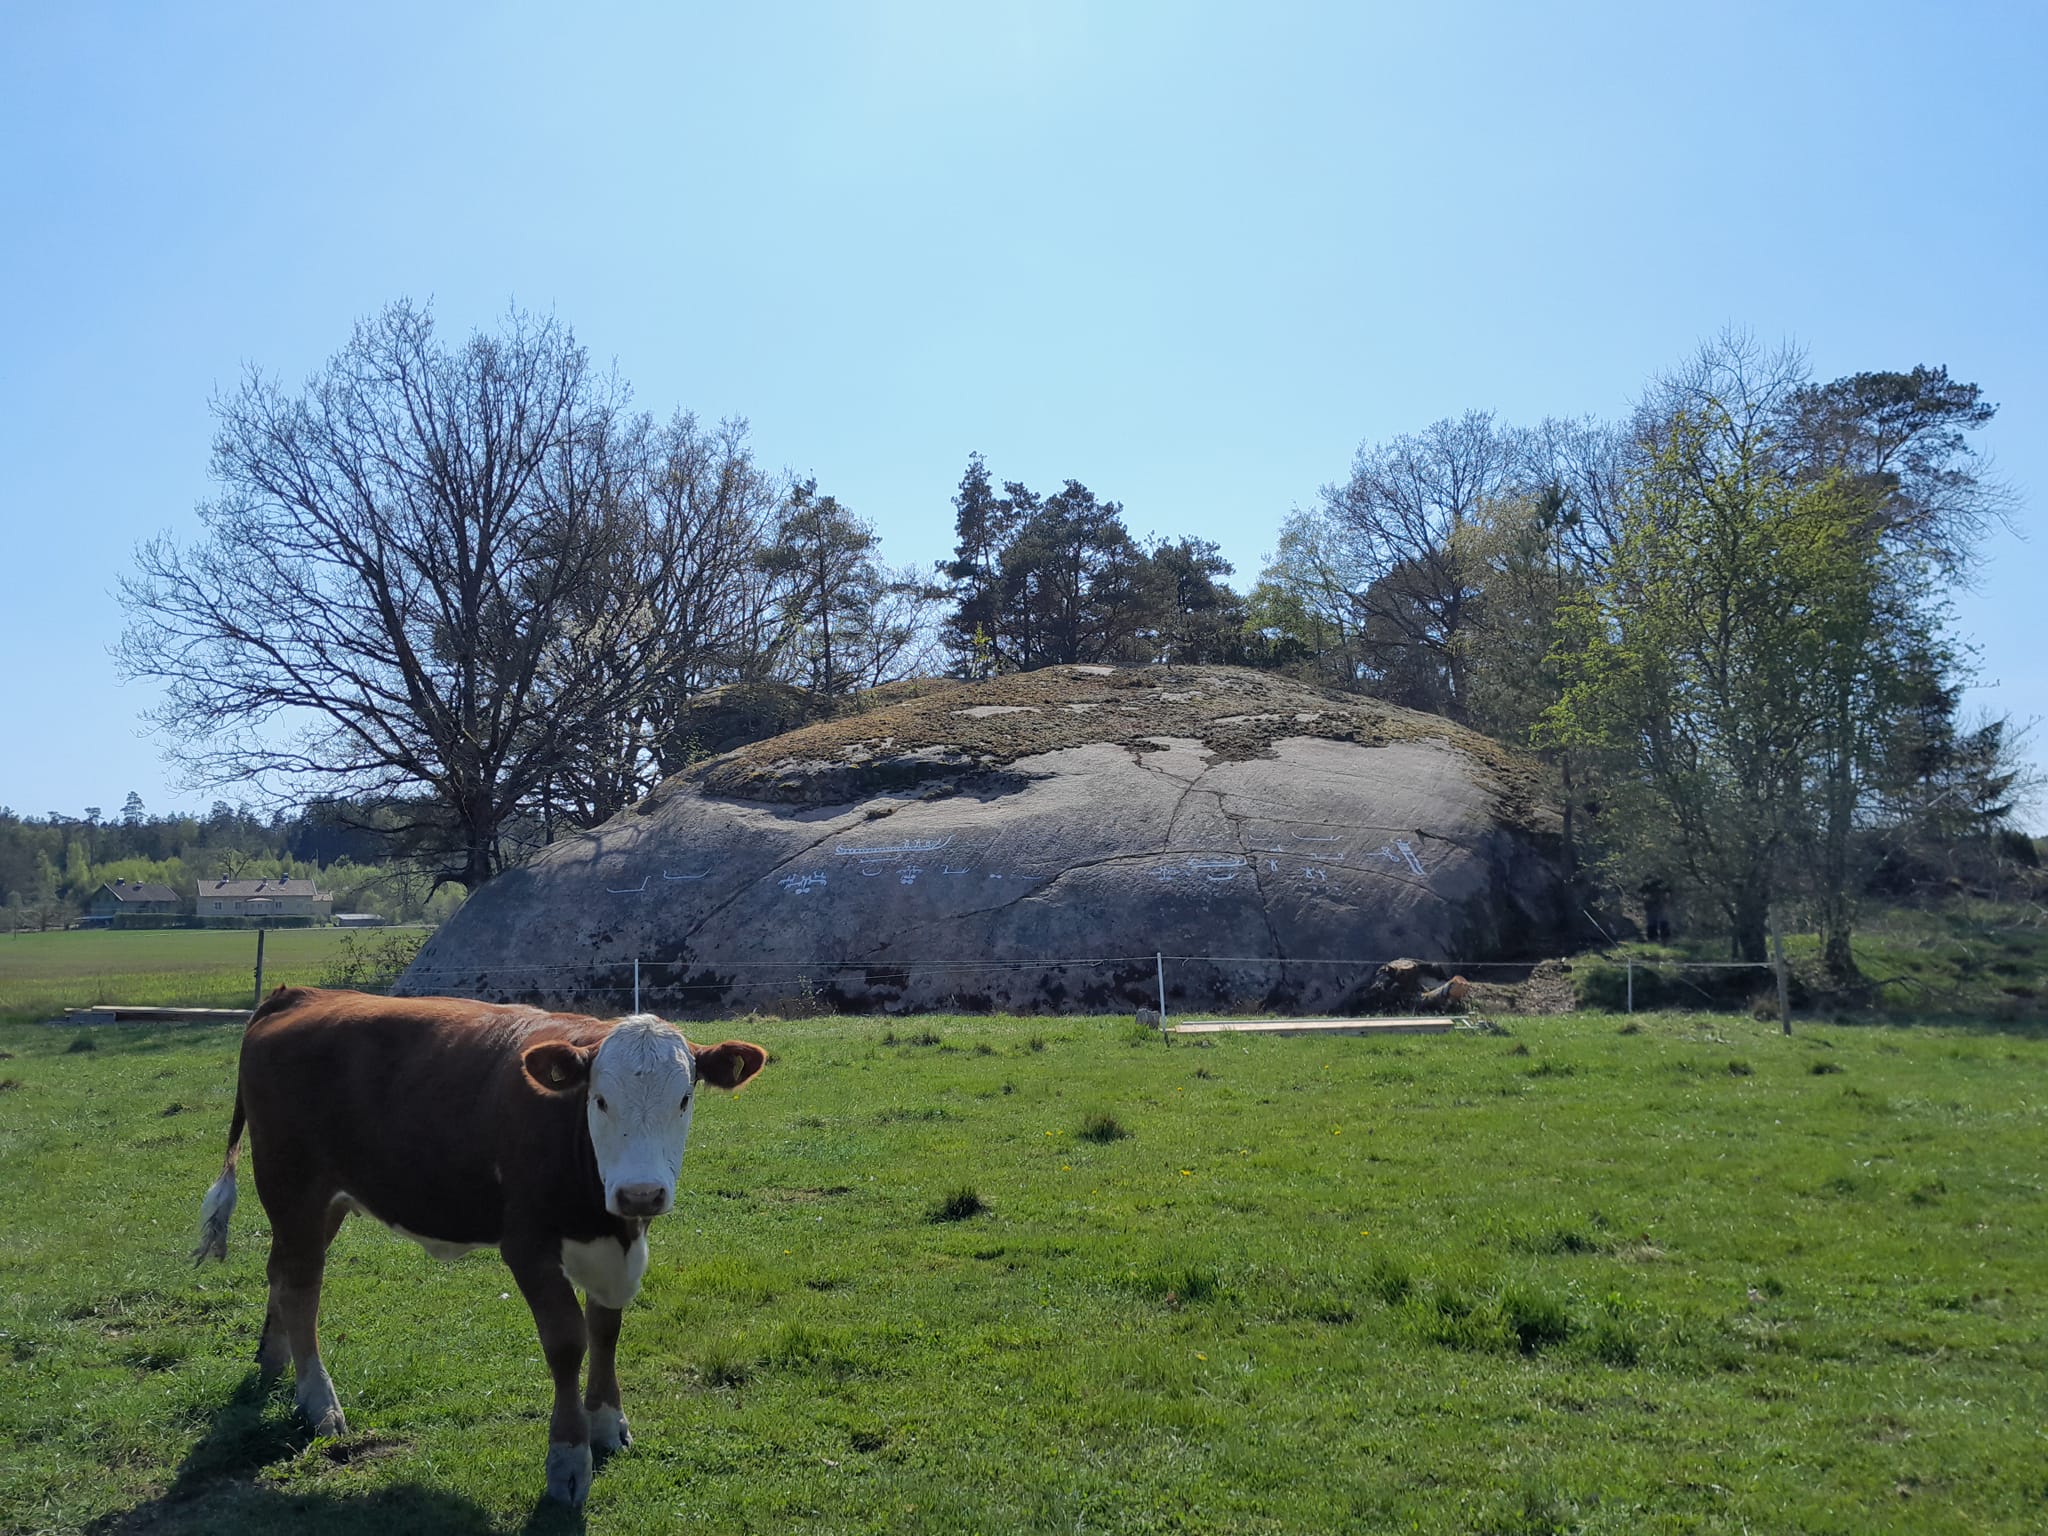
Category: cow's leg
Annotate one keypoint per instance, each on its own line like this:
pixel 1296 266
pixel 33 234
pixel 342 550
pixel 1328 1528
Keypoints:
pixel 273 1348
pixel 538 1269
pixel 298 1256
pixel 608 1431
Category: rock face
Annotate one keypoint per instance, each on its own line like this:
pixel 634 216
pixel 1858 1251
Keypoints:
pixel 1031 844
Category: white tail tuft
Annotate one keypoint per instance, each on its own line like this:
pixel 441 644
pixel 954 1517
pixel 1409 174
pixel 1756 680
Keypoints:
pixel 214 1213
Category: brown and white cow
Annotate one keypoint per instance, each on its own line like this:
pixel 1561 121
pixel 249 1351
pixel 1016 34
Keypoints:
pixel 553 1137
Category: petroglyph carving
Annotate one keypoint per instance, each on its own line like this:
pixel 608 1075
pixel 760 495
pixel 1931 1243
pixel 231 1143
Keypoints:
pixel 1221 869
pixel 1399 851
pixel 888 850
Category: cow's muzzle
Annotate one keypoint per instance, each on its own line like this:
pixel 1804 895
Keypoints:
pixel 640 1200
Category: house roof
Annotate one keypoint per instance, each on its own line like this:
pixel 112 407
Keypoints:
pixel 244 890
pixel 135 890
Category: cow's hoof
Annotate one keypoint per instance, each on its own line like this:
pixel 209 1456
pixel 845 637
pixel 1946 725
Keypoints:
pixel 322 1408
pixel 608 1430
pixel 568 1472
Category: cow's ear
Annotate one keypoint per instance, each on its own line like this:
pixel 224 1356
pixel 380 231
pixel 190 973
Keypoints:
pixel 730 1064
pixel 556 1066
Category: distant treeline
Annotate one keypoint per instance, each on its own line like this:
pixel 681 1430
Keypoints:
pixel 51 865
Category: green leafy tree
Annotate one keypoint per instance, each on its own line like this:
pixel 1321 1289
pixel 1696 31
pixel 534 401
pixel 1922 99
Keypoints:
pixel 1517 547
pixel 1701 663
pixel 1071 583
pixel 1192 614
pixel 983 524
pixel 1897 444
pixel 1302 607
pixel 823 557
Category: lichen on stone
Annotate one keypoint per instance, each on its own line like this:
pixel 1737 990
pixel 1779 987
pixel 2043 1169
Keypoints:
pixel 956 732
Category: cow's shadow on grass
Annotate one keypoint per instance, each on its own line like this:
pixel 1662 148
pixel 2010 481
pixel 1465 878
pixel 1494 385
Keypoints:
pixel 218 1490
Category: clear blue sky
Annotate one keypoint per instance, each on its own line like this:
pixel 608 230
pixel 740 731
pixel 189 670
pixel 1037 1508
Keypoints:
pixel 1192 255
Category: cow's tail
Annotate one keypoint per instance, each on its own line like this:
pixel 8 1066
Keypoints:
pixel 219 1205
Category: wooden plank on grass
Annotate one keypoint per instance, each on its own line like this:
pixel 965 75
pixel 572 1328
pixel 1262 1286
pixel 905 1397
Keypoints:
pixel 136 1013
pixel 1432 1026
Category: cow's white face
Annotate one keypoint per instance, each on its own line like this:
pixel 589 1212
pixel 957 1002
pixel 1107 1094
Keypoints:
pixel 643 1084
pixel 640 1086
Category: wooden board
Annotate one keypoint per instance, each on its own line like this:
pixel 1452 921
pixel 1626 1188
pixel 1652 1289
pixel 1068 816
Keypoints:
pixel 135 1013
pixel 1432 1026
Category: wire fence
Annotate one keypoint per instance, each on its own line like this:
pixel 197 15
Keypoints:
pixel 1157 980
pixel 1616 978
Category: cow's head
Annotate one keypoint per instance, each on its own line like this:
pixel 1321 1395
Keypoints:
pixel 640 1088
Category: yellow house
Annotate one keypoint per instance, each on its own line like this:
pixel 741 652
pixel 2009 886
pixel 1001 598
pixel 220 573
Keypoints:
pixel 270 897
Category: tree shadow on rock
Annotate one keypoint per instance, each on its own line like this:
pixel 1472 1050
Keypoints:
pixel 217 1491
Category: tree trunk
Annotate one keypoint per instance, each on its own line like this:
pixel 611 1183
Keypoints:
pixel 1571 851
pixel 1749 919
pixel 1835 917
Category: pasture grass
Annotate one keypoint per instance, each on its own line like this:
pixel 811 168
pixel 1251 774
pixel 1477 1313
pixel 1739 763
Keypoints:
pixel 1570 1280
pixel 42 974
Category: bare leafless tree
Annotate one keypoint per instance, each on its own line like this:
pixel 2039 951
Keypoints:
pixel 1399 518
pixel 1582 466
pixel 426 576
pixel 693 511
pixel 896 634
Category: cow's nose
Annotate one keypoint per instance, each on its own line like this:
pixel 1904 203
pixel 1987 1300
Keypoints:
pixel 642 1199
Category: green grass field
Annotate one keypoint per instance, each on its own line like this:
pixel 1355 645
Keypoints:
pixel 42 974
pixel 1691 1277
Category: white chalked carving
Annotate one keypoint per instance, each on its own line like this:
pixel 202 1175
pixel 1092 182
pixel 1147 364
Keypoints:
pixel 1221 870
pixel 1400 851
pixel 631 890
pixel 798 885
pixel 667 876
pixel 892 850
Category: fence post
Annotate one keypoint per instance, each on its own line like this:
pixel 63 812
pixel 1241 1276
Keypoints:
pixel 259 970
pixel 636 983
pixel 1778 965
pixel 1631 984
pixel 1159 960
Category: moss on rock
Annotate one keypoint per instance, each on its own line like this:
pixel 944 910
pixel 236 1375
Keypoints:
pixel 940 734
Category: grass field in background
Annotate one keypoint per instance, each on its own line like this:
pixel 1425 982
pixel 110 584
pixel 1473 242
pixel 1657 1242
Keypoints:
pixel 1675 1274
pixel 42 974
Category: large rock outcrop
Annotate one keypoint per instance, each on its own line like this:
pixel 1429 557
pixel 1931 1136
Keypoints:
pixel 1032 843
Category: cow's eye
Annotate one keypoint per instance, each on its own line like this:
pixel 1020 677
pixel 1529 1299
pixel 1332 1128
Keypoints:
pixel 602 1107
